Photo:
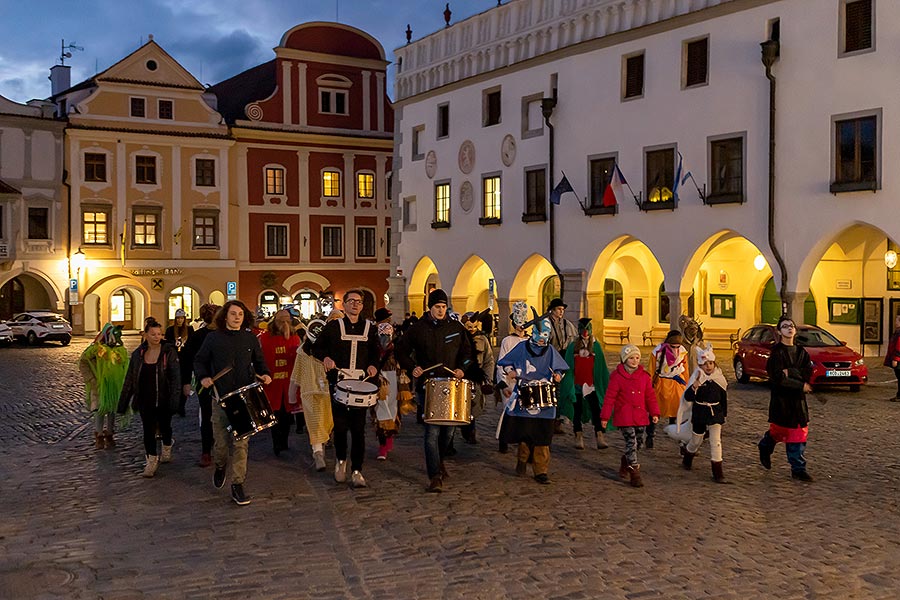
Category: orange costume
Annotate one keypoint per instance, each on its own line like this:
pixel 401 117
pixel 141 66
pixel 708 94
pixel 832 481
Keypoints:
pixel 668 364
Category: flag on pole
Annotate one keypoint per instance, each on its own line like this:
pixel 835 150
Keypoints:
pixel 615 191
pixel 678 180
pixel 561 188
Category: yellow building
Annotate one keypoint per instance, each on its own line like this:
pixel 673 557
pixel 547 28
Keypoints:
pixel 147 164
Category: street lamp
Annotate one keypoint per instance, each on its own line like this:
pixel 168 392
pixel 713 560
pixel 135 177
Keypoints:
pixel 78 261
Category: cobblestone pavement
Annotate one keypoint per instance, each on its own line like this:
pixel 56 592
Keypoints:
pixel 81 523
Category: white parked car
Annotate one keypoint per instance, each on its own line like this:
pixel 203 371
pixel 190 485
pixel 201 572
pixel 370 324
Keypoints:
pixel 40 326
pixel 6 335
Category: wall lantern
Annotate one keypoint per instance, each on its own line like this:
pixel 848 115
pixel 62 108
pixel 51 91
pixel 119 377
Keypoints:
pixel 890 259
pixel 759 263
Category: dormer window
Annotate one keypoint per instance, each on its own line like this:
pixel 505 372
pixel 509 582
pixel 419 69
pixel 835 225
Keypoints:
pixel 334 92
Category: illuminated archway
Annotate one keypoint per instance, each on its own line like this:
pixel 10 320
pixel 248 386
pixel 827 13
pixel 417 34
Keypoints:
pixel 529 281
pixel 471 291
pixel 424 278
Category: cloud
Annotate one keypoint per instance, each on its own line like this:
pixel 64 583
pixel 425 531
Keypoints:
pixel 213 58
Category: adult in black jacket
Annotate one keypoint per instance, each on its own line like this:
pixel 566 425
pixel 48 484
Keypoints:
pixel 789 371
pixel 204 395
pixel 434 339
pixel 231 345
pixel 153 386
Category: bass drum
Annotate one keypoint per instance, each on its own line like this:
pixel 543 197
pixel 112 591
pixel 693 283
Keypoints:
pixel 448 401
pixel 248 411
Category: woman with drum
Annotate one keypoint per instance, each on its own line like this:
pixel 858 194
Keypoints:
pixel 152 387
pixel 231 359
pixel 279 344
pixel 532 369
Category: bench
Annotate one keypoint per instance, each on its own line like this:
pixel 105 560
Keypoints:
pixel 722 338
pixel 654 335
pixel 619 333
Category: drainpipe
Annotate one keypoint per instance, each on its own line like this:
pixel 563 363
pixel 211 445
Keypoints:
pixel 65 182
pixel 547 106
pixel 770 52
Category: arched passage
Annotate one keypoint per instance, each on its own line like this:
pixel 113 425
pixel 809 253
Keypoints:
pixel 424 278
pixel 531 281
pixel 27 291
pixel 113 305
pixel 471 292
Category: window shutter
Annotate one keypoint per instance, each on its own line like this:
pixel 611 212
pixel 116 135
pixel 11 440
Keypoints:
pixel 858 24
pixel 634 76
pixel 697 62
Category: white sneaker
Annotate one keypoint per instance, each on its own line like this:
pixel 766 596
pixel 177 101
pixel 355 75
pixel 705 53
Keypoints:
pixel 357 480
pixel 340 471
pixel 319 458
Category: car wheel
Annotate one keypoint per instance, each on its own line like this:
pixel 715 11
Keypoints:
pixel 65 341
pixel 739 373
pixel 855 388
pixel 32 339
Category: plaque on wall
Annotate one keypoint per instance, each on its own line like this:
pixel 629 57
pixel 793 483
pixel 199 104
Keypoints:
pixel 467 157
pixel 466 196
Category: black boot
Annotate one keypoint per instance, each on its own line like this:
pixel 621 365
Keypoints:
pixel 687 458
pixel 718 476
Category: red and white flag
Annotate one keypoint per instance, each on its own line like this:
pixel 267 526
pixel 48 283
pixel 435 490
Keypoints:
pixel 615 191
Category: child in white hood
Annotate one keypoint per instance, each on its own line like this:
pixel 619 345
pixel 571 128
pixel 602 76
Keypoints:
pixel 709 406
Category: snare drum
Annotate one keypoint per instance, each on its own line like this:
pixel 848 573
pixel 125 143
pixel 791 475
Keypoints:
pixel 356 393
pixel 248 411
pixel 537 395
pixel 448 401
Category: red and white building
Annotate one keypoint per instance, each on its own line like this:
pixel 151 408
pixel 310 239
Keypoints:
pixel 313 132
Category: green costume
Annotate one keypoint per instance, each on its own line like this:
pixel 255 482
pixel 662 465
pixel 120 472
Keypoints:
pixel 103 365
pixel 567 391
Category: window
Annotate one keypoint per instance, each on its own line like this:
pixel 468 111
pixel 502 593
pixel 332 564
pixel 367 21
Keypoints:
pixel 490 188
pixel 331 184
pixel 660 179
pixel 409 213
pixel 633 76
pixel 206 229
pixel 94 166
pixel 726 157
pixel 365 185
pixel 535 195
pixel 417 149
pixel 166 109
pixel 696 62
pixel 365 242
pixel 855 152
pixel 532 116
pixel 491 107
pixel 138 107
pixel 601 174
pixel 95 226
pixel 387 243
pixel 612 299
pixel 858 27
pixel 442 204
pixel 38 223
pixel 664 304
pixel 145 169
pixel 276 240
pixel 274 181
pixel 145 231
pixel 333 102
pixel 206 172
pixel 332 241
pixel 443 120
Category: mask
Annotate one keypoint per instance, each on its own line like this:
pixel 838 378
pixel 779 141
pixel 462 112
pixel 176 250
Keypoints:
pixel 519 315
pixel 586 331
pixel 540 332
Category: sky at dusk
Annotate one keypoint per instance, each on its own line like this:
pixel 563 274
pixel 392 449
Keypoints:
pixel 213 39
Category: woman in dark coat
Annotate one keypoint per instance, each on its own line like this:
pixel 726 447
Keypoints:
pixel 152 387
pixel 789 371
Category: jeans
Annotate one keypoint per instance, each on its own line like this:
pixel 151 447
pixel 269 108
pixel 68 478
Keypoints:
pixel 354 420
pixel 437 438
pixel 222 437
pixel 153 417
pixel 204 396
pixel 795 451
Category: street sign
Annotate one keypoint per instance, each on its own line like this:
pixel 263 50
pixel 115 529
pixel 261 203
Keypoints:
pixel 231 288
pixel 73 285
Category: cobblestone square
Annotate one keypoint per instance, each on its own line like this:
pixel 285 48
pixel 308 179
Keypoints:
pixel 82 523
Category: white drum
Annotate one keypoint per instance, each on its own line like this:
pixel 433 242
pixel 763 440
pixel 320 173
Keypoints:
pixel 355 393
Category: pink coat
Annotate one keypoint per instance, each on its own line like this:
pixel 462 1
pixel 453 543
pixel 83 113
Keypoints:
pixel 630 398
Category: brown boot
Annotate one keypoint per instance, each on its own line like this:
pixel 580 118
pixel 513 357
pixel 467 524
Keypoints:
pixel 110 442
pixel 623 468
pixel 635 472
pixel 99 441
pixel 718 476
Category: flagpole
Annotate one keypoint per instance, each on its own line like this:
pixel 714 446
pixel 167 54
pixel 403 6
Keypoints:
pixel 547 106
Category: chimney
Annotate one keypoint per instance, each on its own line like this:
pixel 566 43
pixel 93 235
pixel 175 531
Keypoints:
pixel 60 79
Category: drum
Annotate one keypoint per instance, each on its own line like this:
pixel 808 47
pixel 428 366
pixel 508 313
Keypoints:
pixel 448 401
pixel 248 411
pixel 356 393
pixel 537 395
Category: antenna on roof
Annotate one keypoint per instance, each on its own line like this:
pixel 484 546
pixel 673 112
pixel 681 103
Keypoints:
pixel 64 51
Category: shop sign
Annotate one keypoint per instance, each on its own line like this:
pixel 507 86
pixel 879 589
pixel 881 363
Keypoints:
pixel 156 272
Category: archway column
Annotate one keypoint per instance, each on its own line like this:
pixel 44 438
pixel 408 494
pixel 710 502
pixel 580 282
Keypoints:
pixel 794 305
pixel 503 306
pixel 574 283
pixel 397 293
pixel 678 301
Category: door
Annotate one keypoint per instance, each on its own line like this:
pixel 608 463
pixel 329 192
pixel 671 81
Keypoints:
pixel 121 309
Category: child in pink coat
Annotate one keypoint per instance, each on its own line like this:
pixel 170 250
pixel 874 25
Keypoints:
pixel 631 401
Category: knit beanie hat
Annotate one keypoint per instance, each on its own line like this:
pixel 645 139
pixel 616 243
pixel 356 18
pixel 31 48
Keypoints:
pixel 436 297
pixel 629 350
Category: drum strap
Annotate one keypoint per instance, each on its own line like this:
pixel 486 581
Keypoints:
pixel 354 340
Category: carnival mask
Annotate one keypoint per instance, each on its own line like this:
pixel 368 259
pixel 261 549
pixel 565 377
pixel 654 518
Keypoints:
pixel 540 332
pixel 519 314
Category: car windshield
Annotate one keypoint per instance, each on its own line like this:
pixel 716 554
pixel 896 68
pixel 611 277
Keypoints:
pixel 50 319
pixel 815 338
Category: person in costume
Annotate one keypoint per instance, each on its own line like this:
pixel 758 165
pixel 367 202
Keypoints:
pixel 668 363
pixel 435 339
pixel 789 369
pixel 204 396
pixel 584 384
pixel 518 318
pixel 562 333
pixel 531 427
pixel 308 377
pixel 279 344
pixel 152 387
pixel 708 400
pixel 480 372
pixel 386 411
pixel 103 365
pixel 348 347
pixel 631 401
pixel 892 355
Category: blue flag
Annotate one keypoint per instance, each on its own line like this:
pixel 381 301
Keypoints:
pixel 561 188
pixel 678 181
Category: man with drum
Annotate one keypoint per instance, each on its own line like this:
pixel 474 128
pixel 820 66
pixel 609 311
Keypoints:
pixel 230 358
pixel 434 346
pixel 349 349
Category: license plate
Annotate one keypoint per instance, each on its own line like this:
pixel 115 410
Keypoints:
pixel 58 326
pixel 835 373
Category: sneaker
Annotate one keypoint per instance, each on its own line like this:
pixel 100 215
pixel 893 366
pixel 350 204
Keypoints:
pixel 435 486
pixel 340 471
pixel 357 480
pixel 205 460
pixel 219 477
pixel 802 476
pixel 238 495
pixel 319 458
pixel 543 479
pixel 382 452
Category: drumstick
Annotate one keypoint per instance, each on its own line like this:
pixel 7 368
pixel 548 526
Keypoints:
pixel 221 373
pixel 452 372
pixel 432 367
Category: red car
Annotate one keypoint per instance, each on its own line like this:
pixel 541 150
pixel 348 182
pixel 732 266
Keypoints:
pixel 832 361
